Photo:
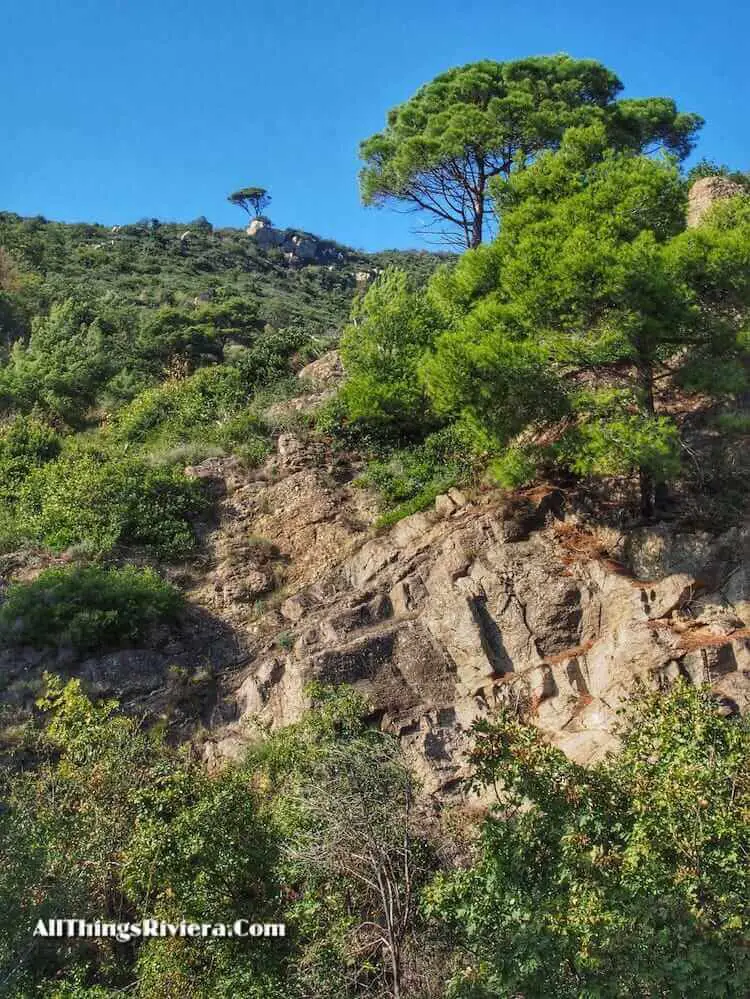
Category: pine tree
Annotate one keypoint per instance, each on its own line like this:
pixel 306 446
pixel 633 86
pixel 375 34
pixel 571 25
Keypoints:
pixel 591 298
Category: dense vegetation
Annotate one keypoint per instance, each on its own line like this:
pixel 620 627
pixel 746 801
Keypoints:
pixel 626 879
pixel 595 342
pixel 90 608
pixel 128 353
pixel 617 880
pixel 563 347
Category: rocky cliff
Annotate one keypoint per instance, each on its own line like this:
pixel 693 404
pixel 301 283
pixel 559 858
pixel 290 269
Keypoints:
pixel 482 601
pixel 486 599
pixel 706 192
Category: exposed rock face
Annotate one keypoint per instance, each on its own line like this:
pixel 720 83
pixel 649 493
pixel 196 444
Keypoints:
pixel 324 372
pixel 472 605
pixel 279 526
pixel 706 192
pixel 297 247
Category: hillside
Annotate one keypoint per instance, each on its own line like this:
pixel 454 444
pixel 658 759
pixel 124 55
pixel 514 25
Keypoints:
pixel 152 264
pixel 309 564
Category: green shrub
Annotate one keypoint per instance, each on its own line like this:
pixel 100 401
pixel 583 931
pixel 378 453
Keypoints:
pixel 267 359
pixel 421 501
pixel 734 423
pixel 412 477
pixel 211 409
pixel 70 355
pixel 245 435
pixel 100 500
pixel 116 824
pixel 25 444
pixel 171 332
pixel 621 445
pixel 391 328
pixel 88 607
pixel 622 878
pixel 515 467
pixel 179 411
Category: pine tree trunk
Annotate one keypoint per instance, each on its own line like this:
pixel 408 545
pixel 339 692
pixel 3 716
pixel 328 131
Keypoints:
pixel 477 222
pixel 647 487
pixel 477 227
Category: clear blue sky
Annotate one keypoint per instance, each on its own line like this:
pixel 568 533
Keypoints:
pixel 113 110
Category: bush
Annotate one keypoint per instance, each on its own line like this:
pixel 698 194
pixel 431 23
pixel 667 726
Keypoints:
pixel 618 879
pixel 70 355
pixel 93 498
pixel 514 468
pixel 115 824
pixel 179 411
pixel 391 328
pixel 246 435
pixel 621 444
pixel 195 333
pixel 25 444
pixel 205 414
pixel 88 607
pixel 267 359
pixel 410 478
pixel 734 423
pixel 497 383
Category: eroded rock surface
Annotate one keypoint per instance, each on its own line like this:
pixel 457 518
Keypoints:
pixel 468 606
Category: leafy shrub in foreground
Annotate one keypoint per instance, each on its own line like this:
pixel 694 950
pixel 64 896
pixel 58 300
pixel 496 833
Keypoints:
pixel 88 607
pixel 101 500
pixel 114 824
pixel 624 878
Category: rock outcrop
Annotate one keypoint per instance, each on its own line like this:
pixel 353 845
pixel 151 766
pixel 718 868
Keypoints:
pixel 297 247
pixel 706 192
pixel 484 600
pixel 469 606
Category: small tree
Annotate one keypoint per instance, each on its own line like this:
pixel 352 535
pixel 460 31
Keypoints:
pixel 359 826
pixel 389 330
pixel 441 148
pixel 345 802
pixel 254 200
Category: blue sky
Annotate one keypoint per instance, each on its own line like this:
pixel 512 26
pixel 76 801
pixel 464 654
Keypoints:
pixel 114 110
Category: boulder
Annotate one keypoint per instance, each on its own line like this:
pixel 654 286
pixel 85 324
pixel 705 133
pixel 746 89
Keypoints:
pixel 705 193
